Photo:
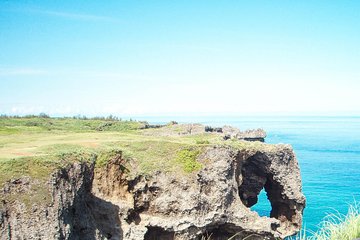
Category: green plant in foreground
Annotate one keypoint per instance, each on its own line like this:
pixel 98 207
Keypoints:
pixel 338 226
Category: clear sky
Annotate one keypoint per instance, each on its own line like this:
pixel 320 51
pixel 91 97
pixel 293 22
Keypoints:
pixel 180 57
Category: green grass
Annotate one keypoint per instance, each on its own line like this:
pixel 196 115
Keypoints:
pixel 103 157
pixel 62 140
pixel 35 146
pixel 338 226
pixel 37 124
pixel 35 167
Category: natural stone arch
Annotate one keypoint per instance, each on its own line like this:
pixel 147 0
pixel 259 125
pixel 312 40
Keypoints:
pixel 257 173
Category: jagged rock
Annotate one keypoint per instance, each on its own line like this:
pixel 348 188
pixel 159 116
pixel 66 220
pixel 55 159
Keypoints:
pixel 172 123
pixel 106 203
pixel 213 129
pixel 252 135
pixel 227 132
pixel 178 129
pixel 230 132
pixel 248 135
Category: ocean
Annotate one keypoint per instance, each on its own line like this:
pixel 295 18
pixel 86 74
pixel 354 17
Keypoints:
pixel 328 151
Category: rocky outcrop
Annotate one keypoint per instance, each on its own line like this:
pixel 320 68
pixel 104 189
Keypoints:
pixel 69 189
pixel 252 135
pixel 248 135
pixel 90 202
pixel 230 132
pixel 227 132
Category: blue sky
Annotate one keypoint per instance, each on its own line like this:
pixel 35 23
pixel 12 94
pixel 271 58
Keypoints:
pixel 180 57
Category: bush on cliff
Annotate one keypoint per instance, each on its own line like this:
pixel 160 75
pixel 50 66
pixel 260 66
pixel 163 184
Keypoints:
pixel 187 159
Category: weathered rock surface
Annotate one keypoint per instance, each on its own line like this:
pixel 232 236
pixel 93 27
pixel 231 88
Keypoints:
pixel 227 132
pixel 248 135
pixel 105 203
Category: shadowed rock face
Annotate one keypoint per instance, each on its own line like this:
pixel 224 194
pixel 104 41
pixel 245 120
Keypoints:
pixel 104 203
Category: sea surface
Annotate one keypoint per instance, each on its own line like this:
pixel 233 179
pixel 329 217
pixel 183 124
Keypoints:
pixel 328 151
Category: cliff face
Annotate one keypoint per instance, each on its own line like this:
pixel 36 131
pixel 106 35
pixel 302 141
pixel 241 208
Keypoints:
pixel 89 202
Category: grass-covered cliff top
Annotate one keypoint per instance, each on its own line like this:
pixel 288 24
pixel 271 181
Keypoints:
pixel 35 146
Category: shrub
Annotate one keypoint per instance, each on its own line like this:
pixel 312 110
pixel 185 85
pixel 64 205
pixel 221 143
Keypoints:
pixel 187 159
pixel 104 126
pixel 44 115
pixel 172 123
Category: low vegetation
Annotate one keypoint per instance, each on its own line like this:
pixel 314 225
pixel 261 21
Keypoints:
pixel 41 124
pixel 36 145
pixel 186 158
pixel 337 226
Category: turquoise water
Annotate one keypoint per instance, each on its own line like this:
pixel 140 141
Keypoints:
pixel 328 151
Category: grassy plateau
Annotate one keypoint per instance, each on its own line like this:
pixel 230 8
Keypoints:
pixel 36 145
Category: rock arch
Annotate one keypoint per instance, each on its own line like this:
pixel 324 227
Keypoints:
pixel 265 170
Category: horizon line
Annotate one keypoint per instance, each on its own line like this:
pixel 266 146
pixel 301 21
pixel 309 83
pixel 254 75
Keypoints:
pixel 180 115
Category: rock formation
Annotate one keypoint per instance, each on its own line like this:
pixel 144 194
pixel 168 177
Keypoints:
pixel 106 202
pixel 227 132
pixel 230 132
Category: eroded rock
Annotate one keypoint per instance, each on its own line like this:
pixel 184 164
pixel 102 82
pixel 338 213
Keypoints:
pixel 106 203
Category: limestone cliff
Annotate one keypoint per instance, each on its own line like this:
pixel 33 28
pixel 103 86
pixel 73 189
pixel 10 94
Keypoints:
pixel 107 202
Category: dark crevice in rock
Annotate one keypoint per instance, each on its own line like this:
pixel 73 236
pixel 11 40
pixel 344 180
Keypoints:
pixel 106 218
pixel 254 139
pixel 139 189
pixel 218 233
pixel 133 216
pixel 225 231
pixel 254 179
pixel 158 233
pixel 280 207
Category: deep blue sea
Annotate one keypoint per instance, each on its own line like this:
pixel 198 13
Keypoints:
pixel 328 151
